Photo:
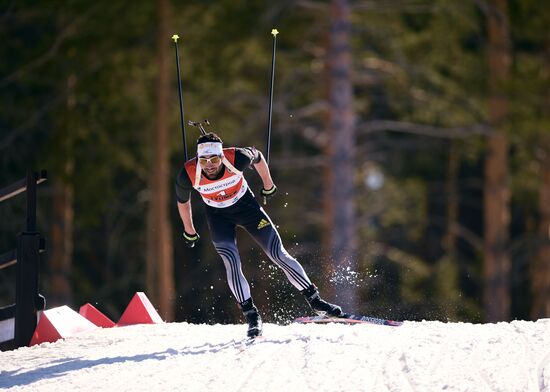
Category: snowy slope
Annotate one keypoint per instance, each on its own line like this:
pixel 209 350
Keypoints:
pixel 425 356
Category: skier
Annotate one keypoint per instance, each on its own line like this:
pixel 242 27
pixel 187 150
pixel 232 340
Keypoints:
pixel 217 174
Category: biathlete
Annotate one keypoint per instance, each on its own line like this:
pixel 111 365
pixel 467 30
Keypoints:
pixel 217 174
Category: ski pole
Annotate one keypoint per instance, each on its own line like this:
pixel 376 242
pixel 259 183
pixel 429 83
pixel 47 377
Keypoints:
pixel 274 32
pixel 270 108
pixel 175 38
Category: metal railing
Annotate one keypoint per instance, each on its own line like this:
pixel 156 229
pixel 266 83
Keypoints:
pixel 21 317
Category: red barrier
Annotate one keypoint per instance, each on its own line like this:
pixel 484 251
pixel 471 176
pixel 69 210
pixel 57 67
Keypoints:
pixel 140 311
pixel 59 323
pixel 95 316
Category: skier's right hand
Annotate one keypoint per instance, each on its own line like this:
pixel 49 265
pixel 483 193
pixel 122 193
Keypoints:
pixel 190 239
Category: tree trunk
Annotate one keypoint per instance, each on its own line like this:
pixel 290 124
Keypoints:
pixel 340 150
pixel 449 241
pixel 61 249
pixel 540 279
pixel 540 269
pixel 160 274
pixel 496 189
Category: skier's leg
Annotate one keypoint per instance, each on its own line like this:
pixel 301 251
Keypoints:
pixel 224 240
pixel 226 246
pixel 262 229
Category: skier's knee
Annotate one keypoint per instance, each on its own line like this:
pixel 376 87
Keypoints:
pixel 224 245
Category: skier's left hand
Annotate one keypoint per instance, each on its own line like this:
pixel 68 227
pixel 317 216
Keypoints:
pixel 269 193
pixel 190 239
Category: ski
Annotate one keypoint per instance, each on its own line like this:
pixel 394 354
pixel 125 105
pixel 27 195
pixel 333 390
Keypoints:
pixel 347 319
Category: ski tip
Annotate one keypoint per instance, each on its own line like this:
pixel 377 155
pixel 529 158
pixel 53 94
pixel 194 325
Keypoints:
pixel 392 323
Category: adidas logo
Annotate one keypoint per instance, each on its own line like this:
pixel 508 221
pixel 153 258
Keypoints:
pixel 263 223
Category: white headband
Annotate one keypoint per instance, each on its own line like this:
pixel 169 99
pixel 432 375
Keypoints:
pixel 213 148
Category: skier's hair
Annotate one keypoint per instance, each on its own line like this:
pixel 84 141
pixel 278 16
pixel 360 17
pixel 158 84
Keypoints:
pixel 210 137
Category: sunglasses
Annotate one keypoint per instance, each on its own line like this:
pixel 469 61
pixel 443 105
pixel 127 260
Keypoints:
pixel 214 160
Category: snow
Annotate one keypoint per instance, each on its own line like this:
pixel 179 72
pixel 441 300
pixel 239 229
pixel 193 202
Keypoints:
pixel 418 356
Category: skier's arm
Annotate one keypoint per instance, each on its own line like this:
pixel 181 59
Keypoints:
pixel 263 170
pixel 183 196
pixel 186 216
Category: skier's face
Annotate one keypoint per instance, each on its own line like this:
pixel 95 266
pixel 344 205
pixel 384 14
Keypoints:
pixel 211 164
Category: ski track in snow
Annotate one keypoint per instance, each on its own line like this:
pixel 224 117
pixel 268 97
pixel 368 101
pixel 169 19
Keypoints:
pixel 418 356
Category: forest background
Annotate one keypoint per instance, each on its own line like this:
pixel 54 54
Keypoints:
pixel 410 148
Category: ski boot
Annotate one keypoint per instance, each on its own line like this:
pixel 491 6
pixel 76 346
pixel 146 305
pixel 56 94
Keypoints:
pixel 319 305
pixel 252 317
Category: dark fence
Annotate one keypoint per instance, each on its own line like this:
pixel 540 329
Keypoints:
pixel 18 321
